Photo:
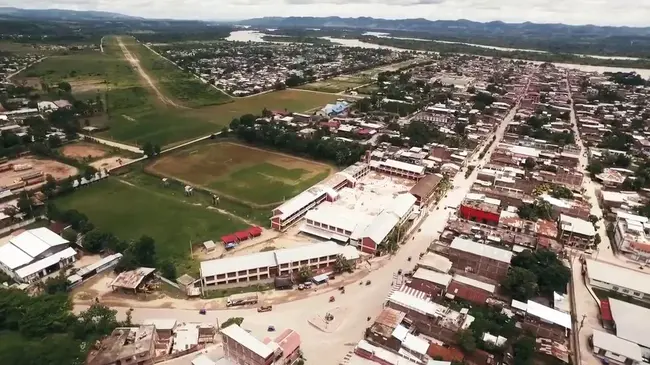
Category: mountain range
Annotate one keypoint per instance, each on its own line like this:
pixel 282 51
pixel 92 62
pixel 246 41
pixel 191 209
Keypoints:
pixel 61 14
pixel 424 25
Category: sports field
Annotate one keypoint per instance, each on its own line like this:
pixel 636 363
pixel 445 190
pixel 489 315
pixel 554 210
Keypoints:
pixel 258 177
pixel 130 211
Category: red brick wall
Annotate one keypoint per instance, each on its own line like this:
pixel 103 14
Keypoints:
pixel 468 292
pixel 479 265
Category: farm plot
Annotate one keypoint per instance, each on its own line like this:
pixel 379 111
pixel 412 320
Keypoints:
pixel 258 177
pixel 83 151
pixel 130 211
pixel 338 84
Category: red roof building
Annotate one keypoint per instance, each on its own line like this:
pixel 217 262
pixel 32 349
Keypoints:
pixel 231 238
pixel 255 231
pixel 242 235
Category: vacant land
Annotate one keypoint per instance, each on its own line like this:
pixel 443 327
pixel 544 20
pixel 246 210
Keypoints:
pixel 175 84
pixel 135 211
pixel 248 174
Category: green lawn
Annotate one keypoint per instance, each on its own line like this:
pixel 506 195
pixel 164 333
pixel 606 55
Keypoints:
pixel 130 212
pixel 265 183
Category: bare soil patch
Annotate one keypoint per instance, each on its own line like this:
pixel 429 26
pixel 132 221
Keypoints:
pixel 110 163
pixel 82 151
pixel 57 169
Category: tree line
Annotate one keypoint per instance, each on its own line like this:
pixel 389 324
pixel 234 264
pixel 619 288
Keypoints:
pixel 286 138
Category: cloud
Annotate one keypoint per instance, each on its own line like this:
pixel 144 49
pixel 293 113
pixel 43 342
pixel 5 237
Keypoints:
pixel 600 12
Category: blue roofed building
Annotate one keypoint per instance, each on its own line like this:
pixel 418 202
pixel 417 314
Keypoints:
pixel 331 110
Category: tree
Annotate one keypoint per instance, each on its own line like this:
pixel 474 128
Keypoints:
pixel 54 142
pixel 96 241
pixel 57 284
pixel 294 80
pixel 65 86
pixel 520 283
pixel 342 265
pixel 168 270
pixel 148 149
pixel 24 204
pixel 144 251
pixel 49 188
pixel 530 163
pixel 305 273
pixel 232 320
pixel 466 340
pixel 523 350
pixel 126 263
pixel 552 275
pixel 156 150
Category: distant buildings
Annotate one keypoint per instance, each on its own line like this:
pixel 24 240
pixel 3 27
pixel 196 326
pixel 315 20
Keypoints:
pixel 242 348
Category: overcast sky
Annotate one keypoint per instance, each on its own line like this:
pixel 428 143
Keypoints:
pixel 600 12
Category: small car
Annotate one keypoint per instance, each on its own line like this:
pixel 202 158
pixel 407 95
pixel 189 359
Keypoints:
pixel 368 282
pixel 202 311
pixel 301 287
pixel 271 329
pixel 265 308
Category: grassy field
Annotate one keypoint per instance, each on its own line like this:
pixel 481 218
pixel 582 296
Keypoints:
pixel 174 82
pixel 91 66
pixel 135 211
pixel 248 174
pixel 136 116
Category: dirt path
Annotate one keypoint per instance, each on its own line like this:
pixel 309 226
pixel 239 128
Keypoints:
pixel 135 63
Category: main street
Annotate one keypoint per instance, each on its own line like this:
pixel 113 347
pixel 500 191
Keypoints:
pixel 359 301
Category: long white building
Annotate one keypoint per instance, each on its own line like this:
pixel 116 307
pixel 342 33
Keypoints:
pixel 34 254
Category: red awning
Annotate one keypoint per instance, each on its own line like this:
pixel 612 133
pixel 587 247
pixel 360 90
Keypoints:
pixel 255 231
pixel 229 238
pixel 605 311
pixel 242 235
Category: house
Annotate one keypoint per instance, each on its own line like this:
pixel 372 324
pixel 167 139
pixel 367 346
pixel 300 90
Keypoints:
pixel 34 254
pixel 469 289
pixel 431 282
pixel 629 322
pixel 479 208
pixel 576 231
pixel 425 189
pixel 480 259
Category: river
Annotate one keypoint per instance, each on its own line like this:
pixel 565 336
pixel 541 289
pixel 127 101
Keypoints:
pixel 255 36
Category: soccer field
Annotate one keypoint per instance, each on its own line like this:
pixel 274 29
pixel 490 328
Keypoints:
pixel 256 176
pixel 130 211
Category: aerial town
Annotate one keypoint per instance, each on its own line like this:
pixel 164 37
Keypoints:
pixel 237 203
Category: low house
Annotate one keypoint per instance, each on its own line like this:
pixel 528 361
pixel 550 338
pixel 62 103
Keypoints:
pixel 614 350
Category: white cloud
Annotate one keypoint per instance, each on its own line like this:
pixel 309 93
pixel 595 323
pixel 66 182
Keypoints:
pixel 600 12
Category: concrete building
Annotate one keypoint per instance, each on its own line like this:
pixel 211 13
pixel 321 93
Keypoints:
pixel 242 348
pixel 295 208
pixel 632 236
pixel 629 322
pixel 425 189
pixel 576 232
pixel 618 279
pixel 399 168
pixel 35 253
pixel 124 345
pixel 615 350
pixel 479 208
pixel 480 259
pixel 264 266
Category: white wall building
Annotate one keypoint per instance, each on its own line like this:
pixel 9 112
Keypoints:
pixel 618 279
pixel 34 254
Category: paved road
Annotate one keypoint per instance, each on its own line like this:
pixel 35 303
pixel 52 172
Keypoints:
pixel 359 301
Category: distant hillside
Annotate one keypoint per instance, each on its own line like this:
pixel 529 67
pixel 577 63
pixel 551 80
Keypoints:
pixel 556 38
pixel 61 14
pixel 424 25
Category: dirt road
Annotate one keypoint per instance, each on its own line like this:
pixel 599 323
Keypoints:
pixel 136 65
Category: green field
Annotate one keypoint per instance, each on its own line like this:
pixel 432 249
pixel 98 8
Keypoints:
pixel 136 116
pixel 174 82
pixel 81 65
pixel 130 211
pixel 258 177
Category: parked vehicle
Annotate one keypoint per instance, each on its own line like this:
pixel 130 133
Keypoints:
pixel 242 299
pixel 301 287
pixel 271 329
pixel 368 282
pixel 265 308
